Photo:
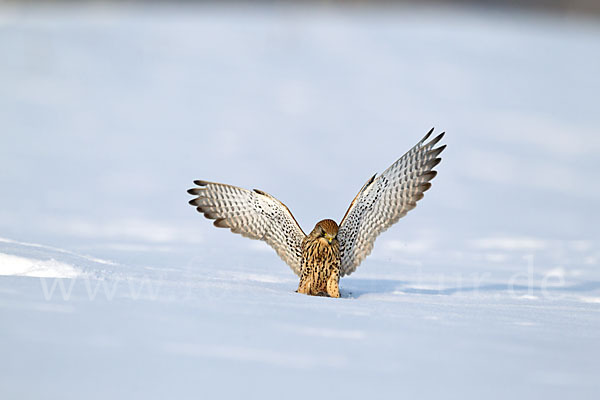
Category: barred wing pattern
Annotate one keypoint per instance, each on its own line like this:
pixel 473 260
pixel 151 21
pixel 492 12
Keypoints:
pixel 253 214
pixel 382 201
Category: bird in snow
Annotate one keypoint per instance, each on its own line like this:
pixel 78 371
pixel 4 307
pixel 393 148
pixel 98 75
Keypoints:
pixel 329 251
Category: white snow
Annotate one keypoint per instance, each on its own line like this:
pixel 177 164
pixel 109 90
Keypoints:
pixel 112 286
pixel 21 266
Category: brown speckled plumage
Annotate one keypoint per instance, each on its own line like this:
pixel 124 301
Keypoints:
pixel 320 272
pixel 328 252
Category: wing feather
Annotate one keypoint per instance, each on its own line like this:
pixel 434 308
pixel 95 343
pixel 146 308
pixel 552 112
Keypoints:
pixel 253 214
pixel 382 201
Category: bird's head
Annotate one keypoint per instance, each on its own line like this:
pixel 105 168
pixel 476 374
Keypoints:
pixel 326 229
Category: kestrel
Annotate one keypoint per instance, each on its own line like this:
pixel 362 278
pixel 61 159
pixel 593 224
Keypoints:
pixel 330 251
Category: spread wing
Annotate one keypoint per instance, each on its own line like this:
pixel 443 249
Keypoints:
pixel 383 200
pixel 253 214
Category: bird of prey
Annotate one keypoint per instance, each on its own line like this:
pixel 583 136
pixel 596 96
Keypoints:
pixel 330 251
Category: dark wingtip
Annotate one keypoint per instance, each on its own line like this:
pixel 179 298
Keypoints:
pixel 436 139
pixel 196 191
pixel 221 223
pixel 431 164
pixel 201 183
pixel 425 186
pixel 429 175
pixel 435 152
pixel 428 134
pixel 192 202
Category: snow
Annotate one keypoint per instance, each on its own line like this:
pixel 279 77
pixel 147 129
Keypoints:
pixel 112 286
pixel 21 266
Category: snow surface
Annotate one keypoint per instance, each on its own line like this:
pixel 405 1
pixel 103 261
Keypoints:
pixel 113 287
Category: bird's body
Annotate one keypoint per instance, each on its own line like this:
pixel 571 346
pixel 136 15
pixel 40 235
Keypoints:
pixel 330 251
pixel 320 265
